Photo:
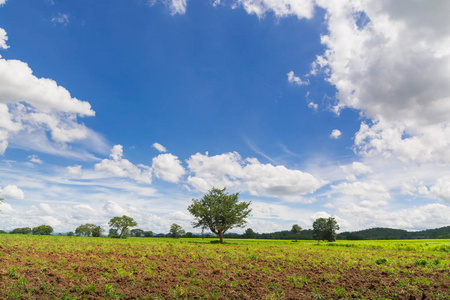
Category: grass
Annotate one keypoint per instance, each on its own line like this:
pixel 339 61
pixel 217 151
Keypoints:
pixel 78 267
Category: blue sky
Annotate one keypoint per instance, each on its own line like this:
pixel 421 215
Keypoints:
pixel 308 109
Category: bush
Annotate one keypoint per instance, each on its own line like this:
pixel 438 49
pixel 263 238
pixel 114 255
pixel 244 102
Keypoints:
pixel 381 261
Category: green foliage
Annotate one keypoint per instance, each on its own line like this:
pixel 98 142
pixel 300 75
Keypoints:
pixel 97 231
pixel 42 230
pixel 137 232
pixel 249 234
pixel 70 233
pixel 381 261
pixel 148 234
pixel 325 229
pixel 121 226
pixel 219 211
pixel 176 230
pixel 22 230
pixel 297 230
pixel 2 232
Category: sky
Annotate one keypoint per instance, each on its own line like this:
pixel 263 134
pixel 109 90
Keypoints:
pixel 307 108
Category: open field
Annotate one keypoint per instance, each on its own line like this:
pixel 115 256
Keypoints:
pixel 38 267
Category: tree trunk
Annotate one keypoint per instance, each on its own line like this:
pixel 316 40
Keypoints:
pixel 221 236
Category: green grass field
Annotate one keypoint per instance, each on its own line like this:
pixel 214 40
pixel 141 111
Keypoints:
pixel 60 267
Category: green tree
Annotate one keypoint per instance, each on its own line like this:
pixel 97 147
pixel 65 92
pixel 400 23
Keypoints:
pixel 148 234
pixel 137 232
pixel 121 225
pixel 70 233
pixel 22 230
pixel 325 229
pixel 97 231
pixel 2 232
pixel 219 211
pixel 189 235
pixel 85 229
pixel 176 230
pixel 249 233
pixel 42 230
pixel 297 230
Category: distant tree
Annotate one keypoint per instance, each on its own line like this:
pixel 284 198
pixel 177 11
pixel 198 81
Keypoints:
pixel 160 235
pixel 97 231
pixel 297 230
pixel 85 229
pixel 219 212
pixel 325 229
pixel 121 225
pixel 189 235
pixel 70 233
pixel 42 230
pixel 249 233
pixel 22 230
pixel 137 232
pixel 148 234
pixel 2 232
pixel 176 230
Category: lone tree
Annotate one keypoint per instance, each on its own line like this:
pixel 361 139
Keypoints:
pixel 325 229
pixel 219 211
pixel 297 230
pixel 120 225
pixel 42 230
pixel 176 230
pixel 86 229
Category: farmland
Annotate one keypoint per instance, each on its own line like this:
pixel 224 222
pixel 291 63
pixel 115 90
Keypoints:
pixel 38 267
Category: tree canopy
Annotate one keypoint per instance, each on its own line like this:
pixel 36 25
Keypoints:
pixel 120 226
pixel 297 230
pixel 42 230
pixel 219 211
pixel 325 229
pixel 176 230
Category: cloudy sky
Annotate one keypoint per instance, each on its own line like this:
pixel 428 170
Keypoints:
pixel 308 108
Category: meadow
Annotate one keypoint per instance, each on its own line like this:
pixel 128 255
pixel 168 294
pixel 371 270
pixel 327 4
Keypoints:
pixel 61 267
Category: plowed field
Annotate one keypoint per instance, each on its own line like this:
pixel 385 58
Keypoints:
pixel 33 267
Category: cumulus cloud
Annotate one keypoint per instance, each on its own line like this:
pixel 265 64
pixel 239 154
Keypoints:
pixel 356 169
pixel 231 171
pixel 3 38
pixel 159 147
pixel 441 190
pixel 335 134
pixel 121 167
pixel 34 105
pixel 391 60
pixel 12 192
pixel 168 167
pixel 295 79
pixel 281 8
pixel 371 193
pixel 62 19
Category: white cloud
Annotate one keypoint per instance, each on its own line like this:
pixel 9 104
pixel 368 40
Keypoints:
pixel 159 147
pixel 177 6
pixel 46 208
pixel 281 8
pixel 35 159
pixel 124 168
pixel 390 59
pixel 335 134
pixel 61 19
pixel 168 167
pixel 313 105
pixel 370 194
pixel 295 79
pixel 12 192
pixel 441 190
pixel 229 170
pixel 2 2
pixel 36 105
pixel 74 171
pixel 356 169
pixel 3 37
